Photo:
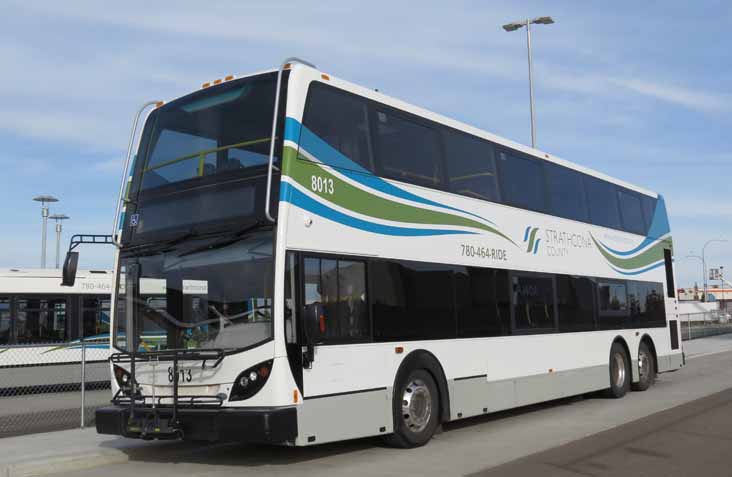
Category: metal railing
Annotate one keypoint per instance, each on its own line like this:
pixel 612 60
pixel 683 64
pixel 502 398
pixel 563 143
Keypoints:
pixel 699 325
pixel 52 386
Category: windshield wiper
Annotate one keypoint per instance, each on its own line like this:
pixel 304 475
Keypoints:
pixel 229 239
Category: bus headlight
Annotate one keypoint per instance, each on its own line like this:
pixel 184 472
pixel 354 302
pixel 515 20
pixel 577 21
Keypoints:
pixel 123 378
pixel 250 381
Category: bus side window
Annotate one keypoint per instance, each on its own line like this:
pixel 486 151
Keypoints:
pixel 5 325
pixel 335 301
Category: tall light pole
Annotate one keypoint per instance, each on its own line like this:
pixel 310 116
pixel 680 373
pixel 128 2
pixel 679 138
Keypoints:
pixel 701 260
pixel 515 26
pixel 44 199
pixel 704 262
pixel 58 218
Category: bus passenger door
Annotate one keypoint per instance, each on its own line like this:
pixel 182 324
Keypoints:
pixel 341 368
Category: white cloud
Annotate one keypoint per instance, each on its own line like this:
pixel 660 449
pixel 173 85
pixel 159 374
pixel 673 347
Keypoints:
pixel 693 99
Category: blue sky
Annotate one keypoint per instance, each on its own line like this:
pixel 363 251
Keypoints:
pixel 638 90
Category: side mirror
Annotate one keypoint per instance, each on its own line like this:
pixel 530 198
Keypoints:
pixel 69 271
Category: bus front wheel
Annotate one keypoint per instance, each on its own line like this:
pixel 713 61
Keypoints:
pixel 416 410
pixel 620 372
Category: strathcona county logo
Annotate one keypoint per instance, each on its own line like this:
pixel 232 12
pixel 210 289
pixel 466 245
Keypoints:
pixel 532 243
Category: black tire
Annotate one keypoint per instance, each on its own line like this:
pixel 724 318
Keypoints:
pixel 413 429
pixel 646 368
pixel 620 372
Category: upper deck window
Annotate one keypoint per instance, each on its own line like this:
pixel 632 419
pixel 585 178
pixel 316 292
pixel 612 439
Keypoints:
pixel 341 120
pixel 408 151
pixel 522 181
pixel 631 212
pixel 215 131
pixel 566 192
pixel 603 200
pixel 471 166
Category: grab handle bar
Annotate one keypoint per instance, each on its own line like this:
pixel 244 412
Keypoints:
pixel 125 176
pixel 284 64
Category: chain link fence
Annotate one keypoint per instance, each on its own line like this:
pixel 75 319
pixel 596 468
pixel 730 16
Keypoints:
pixel 49 387
pixel 699 325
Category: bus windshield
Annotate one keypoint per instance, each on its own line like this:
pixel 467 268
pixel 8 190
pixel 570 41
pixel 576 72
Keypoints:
pixel 200 157
pixel 214 292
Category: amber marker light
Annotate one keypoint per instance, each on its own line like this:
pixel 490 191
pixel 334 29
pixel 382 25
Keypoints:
pixel 159 104
pixel 229 78
pixel 399 349
pixel 218 81
pixel 325 77
pixel 205 85
pixel 295 396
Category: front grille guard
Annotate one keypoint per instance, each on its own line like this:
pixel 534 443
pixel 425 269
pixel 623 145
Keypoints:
pixel 151 425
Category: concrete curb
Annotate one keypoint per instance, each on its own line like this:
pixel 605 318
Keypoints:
pixel 62 463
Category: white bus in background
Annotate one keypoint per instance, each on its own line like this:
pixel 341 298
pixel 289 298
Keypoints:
pixel 366 267
pixel 42 325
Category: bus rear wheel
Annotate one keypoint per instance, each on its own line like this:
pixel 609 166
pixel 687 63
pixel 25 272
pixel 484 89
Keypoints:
pixel 646 368
pixel 620 372
pixel 416 407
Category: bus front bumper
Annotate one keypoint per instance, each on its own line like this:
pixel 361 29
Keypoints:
pixel 253 425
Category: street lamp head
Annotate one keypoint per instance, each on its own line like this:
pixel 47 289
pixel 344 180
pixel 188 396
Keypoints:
pixel 543 21
pixel 45 198
pixel 58 217
pixel 513 26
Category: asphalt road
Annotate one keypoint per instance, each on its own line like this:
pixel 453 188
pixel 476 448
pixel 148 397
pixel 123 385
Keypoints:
pixel 691 439
pixel 577 436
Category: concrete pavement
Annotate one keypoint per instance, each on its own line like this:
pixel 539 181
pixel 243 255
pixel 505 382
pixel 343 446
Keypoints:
pixel 465 447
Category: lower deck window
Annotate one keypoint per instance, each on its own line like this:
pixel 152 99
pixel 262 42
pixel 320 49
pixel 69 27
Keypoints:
pixel 533 302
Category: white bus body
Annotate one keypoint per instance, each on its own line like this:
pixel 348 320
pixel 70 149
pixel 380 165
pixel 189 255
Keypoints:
pixel 496 328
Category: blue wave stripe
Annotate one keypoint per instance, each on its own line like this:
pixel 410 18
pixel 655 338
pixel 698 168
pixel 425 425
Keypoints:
pixel 526 233
pixel 536 246
pixel 288 193
pixel 638 272
pixel 659 228
pixel 329 156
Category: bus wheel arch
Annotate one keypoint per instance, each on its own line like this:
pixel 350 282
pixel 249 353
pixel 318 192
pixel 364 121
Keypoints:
pixel 423 359
pixel 420 400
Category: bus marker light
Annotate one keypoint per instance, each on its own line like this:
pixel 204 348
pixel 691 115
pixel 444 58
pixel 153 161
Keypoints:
pixel 325 77
pixel 287 66
pixel 294 396
pixel 263 371
pixel 218 81
pixel 205 85
pixel 551 370
pixel 229 78
pixel 399 349
pixel 159 104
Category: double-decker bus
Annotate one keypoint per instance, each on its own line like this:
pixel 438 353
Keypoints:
pixel 42 326
pixel 334 263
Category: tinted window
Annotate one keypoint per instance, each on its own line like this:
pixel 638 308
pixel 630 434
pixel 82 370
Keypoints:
pixel 5 320
pixel 613 305
pixel 649 207
pixel 40 320
pixel 341 120
pixel 408 151
pixel 566 192
pixel 483 302
pixel 522 181
pixel 412 301
pixel 214 131
pixel 646 303
pixel 335 300
pixel 631 212
pixel 95 316
pixel 471 166
pixel 533 302
pixel 576 303
pixel 603 201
